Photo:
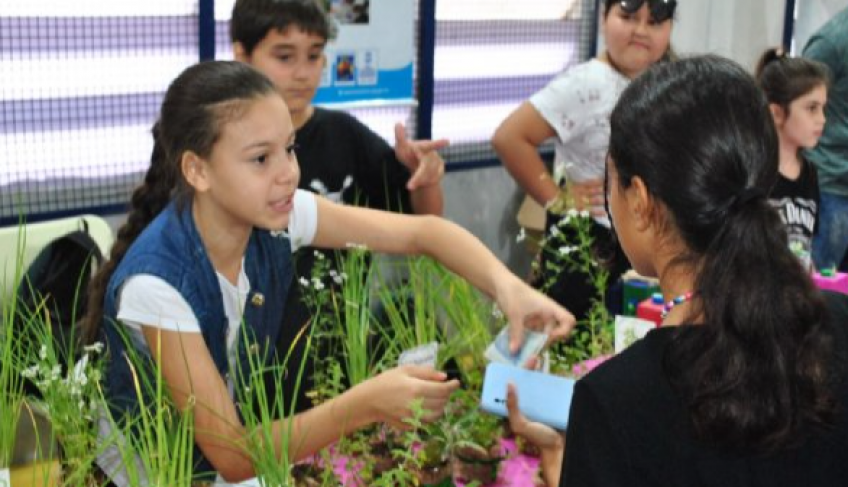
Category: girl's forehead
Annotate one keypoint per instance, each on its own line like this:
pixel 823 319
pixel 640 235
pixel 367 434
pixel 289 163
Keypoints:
pixel 262 118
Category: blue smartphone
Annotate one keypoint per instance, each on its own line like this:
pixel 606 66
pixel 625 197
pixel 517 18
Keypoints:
pixel 544 398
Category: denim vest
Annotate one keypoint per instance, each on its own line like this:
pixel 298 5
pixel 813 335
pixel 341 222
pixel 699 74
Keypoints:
pixel 170 248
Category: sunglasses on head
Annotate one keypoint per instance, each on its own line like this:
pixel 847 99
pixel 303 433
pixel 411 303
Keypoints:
pixel 661 10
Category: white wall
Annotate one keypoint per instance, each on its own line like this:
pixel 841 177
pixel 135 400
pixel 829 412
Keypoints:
pixel 740 30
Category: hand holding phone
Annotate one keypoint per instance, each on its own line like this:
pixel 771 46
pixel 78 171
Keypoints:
pixel 543 397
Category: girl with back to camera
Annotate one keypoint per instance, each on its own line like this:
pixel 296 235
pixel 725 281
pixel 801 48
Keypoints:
pixel 796 89
pixel 745 383
pixel 206 251
pixel 574 108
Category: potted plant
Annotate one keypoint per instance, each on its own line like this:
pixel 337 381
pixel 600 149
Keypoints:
pixel 478 453
pixel 593 338
pixel 70 398
pixel 341 304
pixel 311 474
pixel 433 467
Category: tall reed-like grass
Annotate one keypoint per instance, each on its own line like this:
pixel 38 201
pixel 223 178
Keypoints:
pixel 413 309
pixel 269 420
pixel 11 381
pixel 156 444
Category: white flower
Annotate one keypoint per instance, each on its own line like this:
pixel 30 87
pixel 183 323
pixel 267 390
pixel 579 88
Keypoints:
pixel 584 214
pixel 347 182
pixel 555 231
pixel 496 312
pixel 30 372
pixel 567 249
pixel 42 353
pixel 318 255
pixel 78 375
pixel 573 213
pixel 304 282
pixel 95 347
pixel 317 284
pixel 521 235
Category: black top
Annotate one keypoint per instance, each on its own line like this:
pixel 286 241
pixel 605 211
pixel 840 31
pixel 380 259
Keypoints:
pixel 628 428
pixel 334 147
pixel 797 201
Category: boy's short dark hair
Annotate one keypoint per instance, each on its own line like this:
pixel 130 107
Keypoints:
pixel 253 19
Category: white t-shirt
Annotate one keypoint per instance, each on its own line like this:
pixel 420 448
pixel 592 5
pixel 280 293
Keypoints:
pixel 577 104
pixel 149 300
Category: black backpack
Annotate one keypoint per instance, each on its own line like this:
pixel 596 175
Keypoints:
pixel 59 278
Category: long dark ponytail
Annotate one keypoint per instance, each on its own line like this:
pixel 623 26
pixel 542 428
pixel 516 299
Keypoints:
pixel 198 102
pixel 699 134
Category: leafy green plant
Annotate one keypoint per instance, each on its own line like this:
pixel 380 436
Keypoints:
pixel 340 303
pixel 477 452
pixel 475 428
pixel 410 309
pixel 419 448
pixel 261 413
pixel 352 311
pixel 414 311
pixel 472 321
pixel 570 245
pixel 70 397
pixel 156 445
pixel 11 382
pixel 11 391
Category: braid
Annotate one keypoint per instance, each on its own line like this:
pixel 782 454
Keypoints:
pixel 148 200
pixel 197 103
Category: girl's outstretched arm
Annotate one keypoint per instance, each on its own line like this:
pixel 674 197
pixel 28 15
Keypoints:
pixel 453 246
pixel 191 377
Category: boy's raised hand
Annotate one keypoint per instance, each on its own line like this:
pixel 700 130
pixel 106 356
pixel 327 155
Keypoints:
pixel 421 157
